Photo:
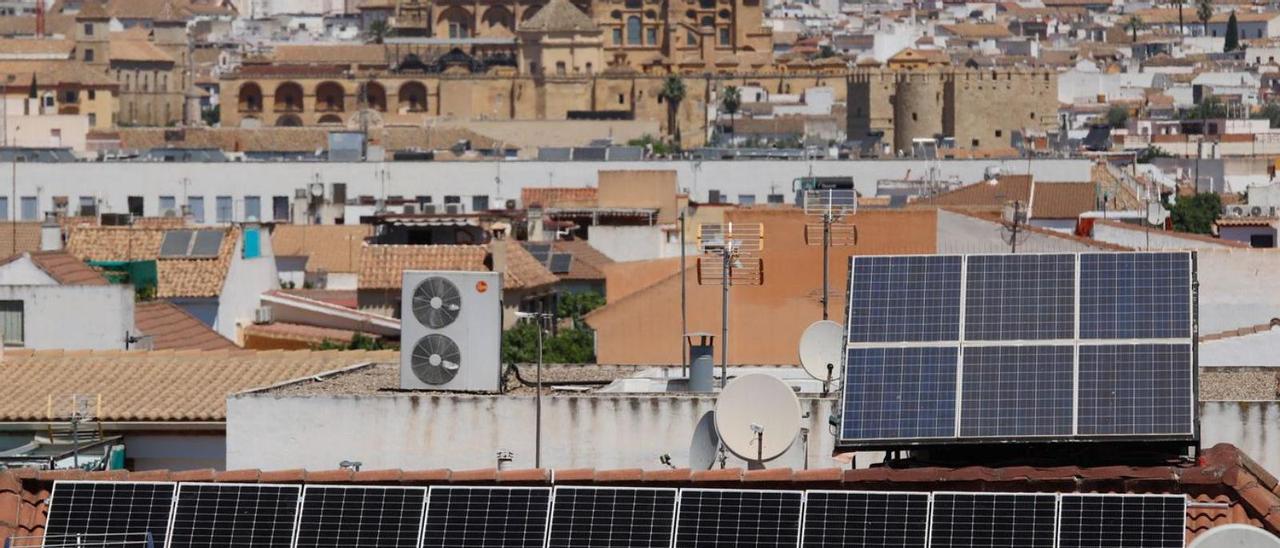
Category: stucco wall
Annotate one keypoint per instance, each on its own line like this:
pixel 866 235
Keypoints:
pixel 247 280
pixel 1254 427
pixel 959 233
pixel 1230 280
pixel 627 243
pixel 74 317
pixel 1136 238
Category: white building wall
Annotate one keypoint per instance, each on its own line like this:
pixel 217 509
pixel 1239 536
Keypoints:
pixel 1234 288
pixel 74 317
pixel 628 243
pixel 24 272
pixel 1251 426
pixel 247 280
pixel 959 233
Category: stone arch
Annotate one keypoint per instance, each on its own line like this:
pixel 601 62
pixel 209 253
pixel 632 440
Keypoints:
pixel 412 97
pixel 498 16
pixel 250 96
pixel 289 97
pixel 330 119
pixel 375 96
pixel 330 97
pixel 455 22
pixel 288 120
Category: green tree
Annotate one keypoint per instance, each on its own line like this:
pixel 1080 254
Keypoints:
pixel 655 146
pixel 1232 41
pixel 1204 12
pixel 730 103
pixel 520 345
pixel 212 116
pixel 1133 25
pixel 377 31
pixel 576 305
pixel 1117 116
pixel 1210 107
pixel 1151 153
pixel 673 92
pixel 358 342
pixel 1196 214
pixel 1270 112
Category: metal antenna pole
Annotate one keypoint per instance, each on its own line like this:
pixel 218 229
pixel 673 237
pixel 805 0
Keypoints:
pixel 684 312
pixel 826 260
pixel 1013 242
pixel 727 258
pixel 537 431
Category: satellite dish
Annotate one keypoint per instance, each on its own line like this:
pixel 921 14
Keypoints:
pixel 1235 535
pixel 757 417
pixel 1156 213
pixel 820 350
pixel 705 445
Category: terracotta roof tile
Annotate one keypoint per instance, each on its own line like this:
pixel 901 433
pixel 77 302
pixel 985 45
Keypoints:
pixel 172 328
pixel 983 194
pixel 157 386
pixel 142 51
pixel 62 267
pixel 523 271
pixel 328 248
pixel 381 265
pixel 310 334
pixel 588 263
pixel 553 197
pixel 176 277
pixel 559 16
pixel 1063 200
pixel 360 54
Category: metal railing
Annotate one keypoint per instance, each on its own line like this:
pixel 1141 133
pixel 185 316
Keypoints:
pixel 83 540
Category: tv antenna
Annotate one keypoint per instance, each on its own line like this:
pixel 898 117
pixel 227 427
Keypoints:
pixel 830 207
pixel 1013 223
pixel 730 256
pixel 757 418
pixel 821 350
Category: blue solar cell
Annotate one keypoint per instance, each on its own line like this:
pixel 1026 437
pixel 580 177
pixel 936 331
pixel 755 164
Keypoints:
pixel 1122 521
pixel 1017 391
pixel 1135 295
pixel 906 298
pixel 894 393
pixel 1135 389
pixel 988 520
pixel 1020 297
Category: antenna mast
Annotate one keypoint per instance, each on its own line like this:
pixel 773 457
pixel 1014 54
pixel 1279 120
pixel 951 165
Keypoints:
pixel 830 207
pixel 730 256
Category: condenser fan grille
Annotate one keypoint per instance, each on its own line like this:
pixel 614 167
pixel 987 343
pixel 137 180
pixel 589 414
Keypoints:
pixel 436 359
pixel 436 302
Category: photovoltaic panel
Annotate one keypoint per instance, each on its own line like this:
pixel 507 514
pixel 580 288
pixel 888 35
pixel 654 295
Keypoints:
pixel 1136 389
pixel 1135 295
pixel 893 393
pixel 231 514
pixel 606 517
pixel 342 516
pixel 487 517
pixel 838 519
pixel 109 510
pixel 540 252
pixel 1017 391
pixel 1122 521
pixel 561 263
pixel 207 243
pixel 723 517
pixel 990 520
pixel 176 243
pixel 906 298
pixel 1020 297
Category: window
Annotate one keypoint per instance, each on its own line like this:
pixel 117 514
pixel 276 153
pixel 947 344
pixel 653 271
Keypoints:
pixel 633 31
pixel 280 208
pixel 651 36
pixel 746 199
pixel 707 21
pixel 480 203
pixel 713 196
pixel 88 206
pixel 69 96
pixel 224 209
pixel 975 143
pixel 724 36
pixel 617 37
pixel 93 94
pixel 30 208
pixel 88 29
pixel 4 208
pixel 1262 240
pixel 999 133
pixel 775 199
pixel 560 69
pixel 135 206
pixel 48 100
pixel 11 321
pixel 88 55
pixel 195 204
pixel 590 69
pixel 252 208
pixel 93 119
pixel 691 38
pixel 168 206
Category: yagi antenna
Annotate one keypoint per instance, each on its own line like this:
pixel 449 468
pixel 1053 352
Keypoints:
pixel 830 207
pixel 730 256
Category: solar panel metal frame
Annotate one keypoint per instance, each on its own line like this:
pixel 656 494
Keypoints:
pixel 168 521
pixel 675 535
pixel 546 525
pixel 422 521
pixel 842 443
pixel 928 508
pixel 1063 496
pixel 675 506
pixel 297 509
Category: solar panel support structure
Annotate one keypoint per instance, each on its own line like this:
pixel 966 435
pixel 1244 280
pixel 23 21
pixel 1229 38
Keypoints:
pixel 730 255
pixel 830 206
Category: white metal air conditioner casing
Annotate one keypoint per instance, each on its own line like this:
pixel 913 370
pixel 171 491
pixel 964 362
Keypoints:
pixel 466 308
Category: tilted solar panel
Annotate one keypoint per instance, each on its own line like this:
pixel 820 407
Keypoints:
pixel 176 243
pixel 207 243
pixel 838 519
pixel 908 298
pixel 1017 391
pixel 608 517
pixel 992 520
pixel 353 516
pixel 1020 297
pixel 489 517
pixel 1135 295
pixel 724 517
pixel 234 514
pixel 107 511
pixel 1136 389
pixel 1122 521
pixel 894 393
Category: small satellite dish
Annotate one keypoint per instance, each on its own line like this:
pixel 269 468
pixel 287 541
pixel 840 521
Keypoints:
pixel 1156 213
pixel 820 350
pixel 1235 535
pixel 757 417
pixel 705 445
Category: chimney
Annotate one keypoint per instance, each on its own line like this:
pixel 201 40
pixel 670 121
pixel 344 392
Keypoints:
pixel 701 362
pixel 498 253
pixel 50 233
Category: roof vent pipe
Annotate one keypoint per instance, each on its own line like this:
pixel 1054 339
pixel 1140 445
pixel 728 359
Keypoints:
pixel 701 362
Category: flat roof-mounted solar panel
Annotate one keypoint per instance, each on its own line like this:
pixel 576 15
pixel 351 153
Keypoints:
pixel 101 512
pixel 176 243
pixel 207 243
pixel 609 517
pixel 234 514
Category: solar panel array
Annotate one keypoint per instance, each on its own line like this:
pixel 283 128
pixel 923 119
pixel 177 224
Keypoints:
pixel 201 514
pixel 1019 347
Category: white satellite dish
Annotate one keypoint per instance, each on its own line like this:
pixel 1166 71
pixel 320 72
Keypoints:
pixel 820 350
pixel 1235 535
pixel 757 417
pixel 1156 213
pixel 705 445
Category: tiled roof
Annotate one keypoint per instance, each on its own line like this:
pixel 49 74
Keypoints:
pixel 559 16
pixel 338 297
pixel 331 248
pixel 361 54
pixel 1225 486
pixel 28 238
pixel 155 385
pixel 983 194
pixel 523 271
pixel 300 139
pixel 143 51
pixel 1063 200
pixel 172 328
pixel 381 265
pixel 976 30
pixel 310 334
pixel 63 268
pixel 53 73
pixel 176 277
pixel 558 197
pixel 588 262
pixel 92 10
pixel 50 47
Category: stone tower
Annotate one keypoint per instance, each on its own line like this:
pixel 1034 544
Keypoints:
pixel 93 38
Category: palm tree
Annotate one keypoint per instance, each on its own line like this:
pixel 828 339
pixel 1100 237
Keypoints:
pixel 377 30
pixel 1133 25
pixel 1204 11
pixel 1182 29
pixel 730 104
pixel 673 92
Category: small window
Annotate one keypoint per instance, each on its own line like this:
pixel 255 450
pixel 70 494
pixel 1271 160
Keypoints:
pixel 617 37
pixel 196 206
pixel 168 206
pixel 88 55
pixel 479 203
pixel 713 196
pixel 560 68
pixel 775 199
pixel 975 143
pixel 88 206
pixel 69 96
pixel 913 117
pixel 280 208
pixel 622 99
pixel 48 100
pixel 224 209
pixel 88 29
pixel 30 208
pixel 633 31
pixel 999 133
pixel 746 199
pixel 4 208
pixel 651 36
pixel 691 38
pixel 253 208
pixel 724 36
pixel 135 205
pixel 12 321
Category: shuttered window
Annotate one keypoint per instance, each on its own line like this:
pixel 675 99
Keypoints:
pixel 11 321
